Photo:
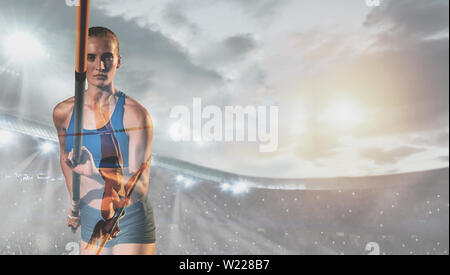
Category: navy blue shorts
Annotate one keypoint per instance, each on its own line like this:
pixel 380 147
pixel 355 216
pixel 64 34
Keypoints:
pixel 137 226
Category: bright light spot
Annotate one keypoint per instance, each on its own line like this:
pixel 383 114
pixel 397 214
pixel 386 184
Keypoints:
pixel 24 47
pixel 240 187
pixel 47 147
pixel 343 115
pixel 188 183
pixel 179 132
pixel 225 186
pixel 6 137
pixel 237 187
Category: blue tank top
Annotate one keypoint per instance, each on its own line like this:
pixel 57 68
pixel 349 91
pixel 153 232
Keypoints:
pixel 102 142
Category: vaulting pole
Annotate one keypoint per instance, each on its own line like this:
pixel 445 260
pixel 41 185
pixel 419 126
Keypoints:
pixel 82 26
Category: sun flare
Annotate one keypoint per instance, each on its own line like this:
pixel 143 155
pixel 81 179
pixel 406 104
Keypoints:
pixel 343 114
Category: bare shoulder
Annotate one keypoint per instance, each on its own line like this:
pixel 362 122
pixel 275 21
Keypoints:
pixel 62 111
pixel 135 114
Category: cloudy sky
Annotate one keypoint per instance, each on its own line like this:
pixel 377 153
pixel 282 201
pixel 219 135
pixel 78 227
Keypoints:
pixel 361 90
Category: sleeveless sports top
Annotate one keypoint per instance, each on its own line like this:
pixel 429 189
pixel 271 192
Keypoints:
pixel 105 139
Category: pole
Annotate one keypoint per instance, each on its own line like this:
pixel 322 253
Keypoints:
pixel 82 24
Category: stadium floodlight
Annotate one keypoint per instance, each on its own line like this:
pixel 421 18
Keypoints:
pixel 188 183
pixel 240 187
pixel 179 178
pixel 22 46
pixel 6 137
pixel 47 147
pixel 225 186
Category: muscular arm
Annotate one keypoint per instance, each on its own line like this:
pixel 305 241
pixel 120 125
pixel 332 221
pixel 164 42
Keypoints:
pixel 139 128
pixel 59 117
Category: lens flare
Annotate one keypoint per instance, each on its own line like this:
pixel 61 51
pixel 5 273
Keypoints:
pixel 343 114
pixel 47 147
pixel 22 46
pixel 6 137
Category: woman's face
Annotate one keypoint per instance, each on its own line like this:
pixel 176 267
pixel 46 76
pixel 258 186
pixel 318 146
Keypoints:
pixel 102 61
